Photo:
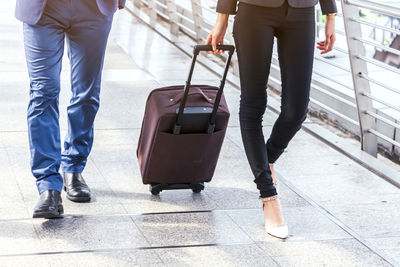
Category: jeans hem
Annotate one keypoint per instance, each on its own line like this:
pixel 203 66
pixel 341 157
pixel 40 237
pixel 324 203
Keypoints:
pixel 268 193
pixel 50 183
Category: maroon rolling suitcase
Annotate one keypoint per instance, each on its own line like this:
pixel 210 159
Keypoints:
pixel 182 132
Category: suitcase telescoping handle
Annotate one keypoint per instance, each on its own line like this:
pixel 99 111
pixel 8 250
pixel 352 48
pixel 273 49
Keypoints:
pixel 199 48
pixel 196 50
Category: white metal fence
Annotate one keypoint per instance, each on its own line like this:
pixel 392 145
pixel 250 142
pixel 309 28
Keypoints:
pixel 357 86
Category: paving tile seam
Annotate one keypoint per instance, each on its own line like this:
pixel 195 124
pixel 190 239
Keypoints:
pixel 338 222
pixel 132 214
pixel 383 236
pixel 46 253
pixel 144 235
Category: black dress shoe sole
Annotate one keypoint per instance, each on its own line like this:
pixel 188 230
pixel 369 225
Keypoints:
pixel 78 199
pixel 49 214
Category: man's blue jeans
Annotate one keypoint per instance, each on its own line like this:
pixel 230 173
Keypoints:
pixel 86 31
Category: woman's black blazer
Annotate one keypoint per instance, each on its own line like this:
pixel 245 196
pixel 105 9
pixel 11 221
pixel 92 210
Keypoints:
pixel 229 6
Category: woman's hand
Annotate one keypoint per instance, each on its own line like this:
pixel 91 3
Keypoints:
pixel 217 34
pixel 330 35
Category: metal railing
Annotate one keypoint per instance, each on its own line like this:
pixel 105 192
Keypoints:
pixel 379 114
pixel 349 87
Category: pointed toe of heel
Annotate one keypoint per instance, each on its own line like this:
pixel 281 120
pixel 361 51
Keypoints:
pixel 279 231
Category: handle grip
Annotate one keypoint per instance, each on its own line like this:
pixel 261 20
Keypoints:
pixel 192 91
pixel 199 48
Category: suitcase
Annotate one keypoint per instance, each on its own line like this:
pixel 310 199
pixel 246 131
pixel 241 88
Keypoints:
pixel 182 132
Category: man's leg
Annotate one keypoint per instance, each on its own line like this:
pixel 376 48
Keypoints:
pixel 87 40
pixel 44 46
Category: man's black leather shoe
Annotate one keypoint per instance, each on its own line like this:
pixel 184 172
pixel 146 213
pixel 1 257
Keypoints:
pixel 49 205
pixel 76 188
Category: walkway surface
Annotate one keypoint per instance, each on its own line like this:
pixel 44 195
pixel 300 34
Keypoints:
pixel 339 213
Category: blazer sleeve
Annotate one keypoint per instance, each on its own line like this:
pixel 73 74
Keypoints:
pixel 228 6
pixel 328 6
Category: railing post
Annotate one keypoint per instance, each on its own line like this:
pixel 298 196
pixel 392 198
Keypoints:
pixel 153 12
pixel 173 17
pixel 137 4
pixel 197 18
pixel 361 85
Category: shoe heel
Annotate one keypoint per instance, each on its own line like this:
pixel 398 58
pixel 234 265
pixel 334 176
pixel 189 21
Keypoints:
pixel 60 210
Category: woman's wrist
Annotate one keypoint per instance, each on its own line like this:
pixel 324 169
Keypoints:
pixel 222 18
pixel 331 16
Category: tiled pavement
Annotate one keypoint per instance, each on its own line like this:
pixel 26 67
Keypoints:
pixel 339 213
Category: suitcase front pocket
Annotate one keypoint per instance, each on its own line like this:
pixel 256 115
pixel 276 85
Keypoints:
pixel 183 158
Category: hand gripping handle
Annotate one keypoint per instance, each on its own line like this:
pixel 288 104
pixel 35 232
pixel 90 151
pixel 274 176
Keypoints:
pixel 199 48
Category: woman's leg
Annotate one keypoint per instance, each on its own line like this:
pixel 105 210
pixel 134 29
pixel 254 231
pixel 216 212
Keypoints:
pixel 254 38
pixel 296 41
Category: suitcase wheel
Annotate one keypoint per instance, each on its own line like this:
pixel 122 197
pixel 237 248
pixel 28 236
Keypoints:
pixel 155 189
pixel 197 188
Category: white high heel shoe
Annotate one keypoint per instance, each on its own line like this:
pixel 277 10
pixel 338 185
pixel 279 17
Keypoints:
pixel 276 231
